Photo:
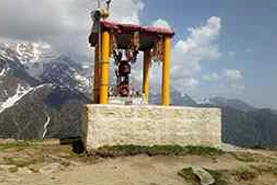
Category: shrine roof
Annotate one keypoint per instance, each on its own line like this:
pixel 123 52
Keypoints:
pixel 127 28
pixel 148 34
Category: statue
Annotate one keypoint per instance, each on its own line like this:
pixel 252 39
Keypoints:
pixel 123 72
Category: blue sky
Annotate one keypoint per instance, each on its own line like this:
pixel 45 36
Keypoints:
pixel 222 47
pixel 247 42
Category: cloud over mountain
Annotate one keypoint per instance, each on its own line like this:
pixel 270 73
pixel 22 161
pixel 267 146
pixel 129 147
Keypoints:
pixel 234 78
pixel 229 78
pixel 64 24
pixel 198 47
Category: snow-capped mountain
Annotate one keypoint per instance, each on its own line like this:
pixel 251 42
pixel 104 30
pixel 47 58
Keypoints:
pixel 14 79
pixel 177 98
pixel 40 93
pixel 20 92
pixel 65 72
pixel 44 65
pixel 234 103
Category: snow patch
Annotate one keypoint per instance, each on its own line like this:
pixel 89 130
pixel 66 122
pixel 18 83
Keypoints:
pixel 32 55
pixel 83 82
pixel 204 101
pixel 31 52
pixel 46 124
pixel 21 91
pixel 2 73
pixel 85 66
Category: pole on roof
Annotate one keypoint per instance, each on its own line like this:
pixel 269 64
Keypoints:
pixel 102 52
pixel 99 3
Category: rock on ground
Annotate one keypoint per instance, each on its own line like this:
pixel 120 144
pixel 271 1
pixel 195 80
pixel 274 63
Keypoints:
pixel 205 177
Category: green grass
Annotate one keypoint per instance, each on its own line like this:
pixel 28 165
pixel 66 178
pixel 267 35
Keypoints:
pixel 13 170
pixel 23 162
pixel 244 157
pixel 261 169
pixel 19 145
pixel 130 150
pixel 190 177
pixel 245 174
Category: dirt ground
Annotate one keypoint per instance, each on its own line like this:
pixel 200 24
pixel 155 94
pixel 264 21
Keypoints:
pixel 41 164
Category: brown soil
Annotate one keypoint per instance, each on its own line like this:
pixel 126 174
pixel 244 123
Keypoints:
pixel 55 164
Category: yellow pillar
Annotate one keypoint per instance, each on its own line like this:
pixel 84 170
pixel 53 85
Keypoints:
pixel 105 67
pixel 166 72
pixel 145 85
pixel 96 75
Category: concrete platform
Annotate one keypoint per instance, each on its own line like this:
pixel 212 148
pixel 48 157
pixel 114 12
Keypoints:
pixel 146 125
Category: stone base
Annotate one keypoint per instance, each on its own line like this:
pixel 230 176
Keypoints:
pixel 145 125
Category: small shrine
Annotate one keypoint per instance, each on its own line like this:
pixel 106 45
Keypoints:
pixel 116 118
pixel 123 43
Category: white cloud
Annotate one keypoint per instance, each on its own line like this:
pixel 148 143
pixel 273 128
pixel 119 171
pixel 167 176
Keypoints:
pixel 161 23
pixel 188 54
pixel 64 24
pixel 191 83
pixel 232 79
pixel 126 11
pixel 212 77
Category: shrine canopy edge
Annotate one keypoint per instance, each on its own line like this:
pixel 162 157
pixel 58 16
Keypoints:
pixel 123 33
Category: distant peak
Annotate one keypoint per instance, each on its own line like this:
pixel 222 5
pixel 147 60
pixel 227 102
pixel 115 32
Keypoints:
pixel 234 103
pixel 31 51
pixel 27 51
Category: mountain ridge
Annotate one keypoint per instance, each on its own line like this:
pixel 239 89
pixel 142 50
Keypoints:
pixel 48 103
